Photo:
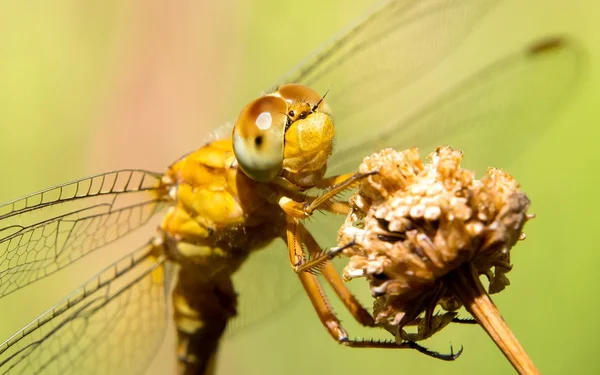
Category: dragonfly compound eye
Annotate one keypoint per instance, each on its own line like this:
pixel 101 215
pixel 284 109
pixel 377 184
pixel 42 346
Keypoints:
pixel 300 95
pixel 258 137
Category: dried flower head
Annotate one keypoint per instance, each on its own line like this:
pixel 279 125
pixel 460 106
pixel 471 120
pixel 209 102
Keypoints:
pixel 413 226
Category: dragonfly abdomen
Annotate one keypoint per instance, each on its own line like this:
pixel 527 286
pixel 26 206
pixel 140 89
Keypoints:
pixel 202 308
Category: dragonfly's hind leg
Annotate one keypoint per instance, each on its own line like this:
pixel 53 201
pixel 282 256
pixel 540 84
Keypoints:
pixel 297 236
pixel 333 325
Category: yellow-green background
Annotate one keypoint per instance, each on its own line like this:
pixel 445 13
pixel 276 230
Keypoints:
pixel 87 87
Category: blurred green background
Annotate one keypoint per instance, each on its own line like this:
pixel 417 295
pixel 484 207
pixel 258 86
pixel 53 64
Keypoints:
pixel 88 88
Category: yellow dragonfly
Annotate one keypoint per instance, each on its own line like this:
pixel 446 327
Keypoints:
pixel 253 185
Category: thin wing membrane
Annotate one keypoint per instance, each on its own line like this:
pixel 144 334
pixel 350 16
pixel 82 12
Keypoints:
pixel 44 232
pixel 366 70
pixel 400 41
pixel 113 324
pixel 493 115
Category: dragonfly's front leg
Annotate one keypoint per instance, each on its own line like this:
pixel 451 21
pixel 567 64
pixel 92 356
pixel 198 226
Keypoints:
pixel 334 279
pixel 318 259
pixel 298 235
pixel 331 187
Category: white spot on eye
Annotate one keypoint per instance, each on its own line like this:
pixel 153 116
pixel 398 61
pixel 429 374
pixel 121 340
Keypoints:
pixel 264 120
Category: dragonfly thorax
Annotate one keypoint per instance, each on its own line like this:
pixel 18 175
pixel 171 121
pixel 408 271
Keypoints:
pixel 287 133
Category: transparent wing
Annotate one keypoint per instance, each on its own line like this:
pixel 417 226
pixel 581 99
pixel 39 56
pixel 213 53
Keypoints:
pixel 367 69
pixel 43 232
pixel 265 284
pixel 394 45
pixel 111 325
pixel 492 115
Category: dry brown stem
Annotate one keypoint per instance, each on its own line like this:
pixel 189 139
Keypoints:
pixel 467 286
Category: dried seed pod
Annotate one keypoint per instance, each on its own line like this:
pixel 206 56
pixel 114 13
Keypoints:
pixel 414 227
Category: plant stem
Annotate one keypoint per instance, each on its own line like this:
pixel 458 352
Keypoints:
pixel 466 284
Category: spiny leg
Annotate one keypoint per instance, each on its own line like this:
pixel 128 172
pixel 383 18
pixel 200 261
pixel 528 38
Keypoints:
pixel 321 305
pixel 466 321
pixel 342 181
pixel 294 231
pixel 336 330
pixel 294 244
pixel 337 207
pixel 319 262
pixel 333 278
pixel 331 187
pixel 294 237
pixel 299 210
pixel 319 259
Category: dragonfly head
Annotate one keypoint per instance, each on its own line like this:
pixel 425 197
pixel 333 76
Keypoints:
pixel 288 132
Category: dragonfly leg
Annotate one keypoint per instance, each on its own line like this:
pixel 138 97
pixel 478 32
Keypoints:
pixel 328 182
pixel 296 235
pixel 299 235
pixel 294 242
pixel 335 281
pixel 322 307
pixel 337 207
pixel 333 325
pixel 466 321
pixel 318 260
pixel 331 186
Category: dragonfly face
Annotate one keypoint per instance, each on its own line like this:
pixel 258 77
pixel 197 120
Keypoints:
pixel 289 131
